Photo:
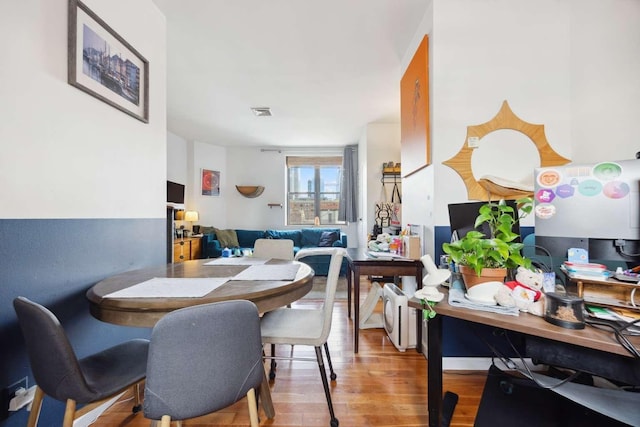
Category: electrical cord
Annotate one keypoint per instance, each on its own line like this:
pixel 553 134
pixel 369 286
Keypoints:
pixel 628 255
pixel 618 328
pixel 510 364
pixel 541 265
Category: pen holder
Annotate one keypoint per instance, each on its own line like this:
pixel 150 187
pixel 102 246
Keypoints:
pixel 565 311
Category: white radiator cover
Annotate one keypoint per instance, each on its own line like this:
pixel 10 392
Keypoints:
pixel 399 319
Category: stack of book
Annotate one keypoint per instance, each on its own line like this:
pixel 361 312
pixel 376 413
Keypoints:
pixel 586 270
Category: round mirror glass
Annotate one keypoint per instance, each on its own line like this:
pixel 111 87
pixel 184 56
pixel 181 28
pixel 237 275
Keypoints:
pixel 507 154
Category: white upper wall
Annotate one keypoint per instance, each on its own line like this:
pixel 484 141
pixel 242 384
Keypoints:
pixel 67 154
pixel 571 65
pixel 605 79
pixel 485 55
pixel 177 159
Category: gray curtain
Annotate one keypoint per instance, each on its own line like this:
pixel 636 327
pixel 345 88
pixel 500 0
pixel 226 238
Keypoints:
pixel 349 195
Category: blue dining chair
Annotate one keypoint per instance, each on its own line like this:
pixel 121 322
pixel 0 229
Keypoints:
pixel 58 373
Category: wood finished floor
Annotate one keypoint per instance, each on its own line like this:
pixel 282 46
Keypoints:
pixel 379 386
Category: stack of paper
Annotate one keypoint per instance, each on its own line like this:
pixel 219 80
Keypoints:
pixel 586 270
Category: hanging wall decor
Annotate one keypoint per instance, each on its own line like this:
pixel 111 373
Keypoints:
pixel 210 182
pixel 414 112
pixel 102 63
pixel 483 189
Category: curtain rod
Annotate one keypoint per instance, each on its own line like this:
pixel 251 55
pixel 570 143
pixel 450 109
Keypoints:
pixel 304 149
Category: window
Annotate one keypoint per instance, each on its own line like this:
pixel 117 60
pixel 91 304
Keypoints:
pixel 313 189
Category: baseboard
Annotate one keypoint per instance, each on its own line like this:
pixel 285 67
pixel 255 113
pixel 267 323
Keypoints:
pixel 482 364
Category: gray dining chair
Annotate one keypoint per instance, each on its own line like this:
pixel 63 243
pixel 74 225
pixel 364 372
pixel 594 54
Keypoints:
pixel 273 248
pixel 202 359
pixel 310 327
pixel 59 374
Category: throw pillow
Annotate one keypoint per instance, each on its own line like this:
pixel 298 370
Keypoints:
pixel 207 230
pixel 327 238
pixel 227 238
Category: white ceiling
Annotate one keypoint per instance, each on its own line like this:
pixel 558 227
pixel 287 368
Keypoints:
pixel 325 68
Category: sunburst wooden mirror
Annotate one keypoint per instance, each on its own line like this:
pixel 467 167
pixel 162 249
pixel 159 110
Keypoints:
pixel 505 119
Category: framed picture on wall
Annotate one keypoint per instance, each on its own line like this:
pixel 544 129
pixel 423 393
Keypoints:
pixel 210 182
pixel 102 64
pixel 414 112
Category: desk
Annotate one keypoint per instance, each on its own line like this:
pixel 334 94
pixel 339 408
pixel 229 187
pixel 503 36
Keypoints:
pixel 145 312
pixel 360 263
pixel 528 324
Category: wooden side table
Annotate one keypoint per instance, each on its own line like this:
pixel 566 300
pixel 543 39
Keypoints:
pixel 360 264
pixel 187 249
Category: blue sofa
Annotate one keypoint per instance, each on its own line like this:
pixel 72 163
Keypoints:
pixel 212 245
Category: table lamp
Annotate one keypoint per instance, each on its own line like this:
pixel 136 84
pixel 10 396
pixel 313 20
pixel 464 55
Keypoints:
pixel 435 276
pixel 191 216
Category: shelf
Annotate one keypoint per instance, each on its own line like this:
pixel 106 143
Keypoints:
pixel 250 191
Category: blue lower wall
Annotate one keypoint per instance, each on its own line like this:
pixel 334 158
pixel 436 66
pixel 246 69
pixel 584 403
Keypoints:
pixel 54 262
pixel 464 339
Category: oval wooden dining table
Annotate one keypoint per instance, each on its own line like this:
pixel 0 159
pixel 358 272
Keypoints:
pixel 145 311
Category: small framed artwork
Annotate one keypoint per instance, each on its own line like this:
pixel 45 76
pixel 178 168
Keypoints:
pixel 102 64
pixel 210 182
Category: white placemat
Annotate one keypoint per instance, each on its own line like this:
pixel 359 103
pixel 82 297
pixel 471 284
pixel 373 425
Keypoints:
pixel 169 287
pixel 269 272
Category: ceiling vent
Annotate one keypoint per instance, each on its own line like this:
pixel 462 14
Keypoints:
pixel 261 111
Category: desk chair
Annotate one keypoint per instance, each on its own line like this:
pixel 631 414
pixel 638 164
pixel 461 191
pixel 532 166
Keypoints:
pixel 311 327
pixel 204 358
pixel 60 374
pixel 273 248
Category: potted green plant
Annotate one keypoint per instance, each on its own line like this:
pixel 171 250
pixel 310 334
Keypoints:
pixel 494 255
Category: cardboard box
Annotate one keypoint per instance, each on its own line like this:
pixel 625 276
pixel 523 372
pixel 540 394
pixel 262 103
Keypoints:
pixel 411 247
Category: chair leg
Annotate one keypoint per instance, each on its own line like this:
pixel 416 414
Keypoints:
pixel 35 408
pixel 166 421
pixel 333 374
pixel 137 398
pixel 325 384
pixel 69 413
pixel 253 407
pixel 272 369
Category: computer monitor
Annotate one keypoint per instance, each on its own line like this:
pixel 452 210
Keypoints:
pixel 462 218
pixel 590 206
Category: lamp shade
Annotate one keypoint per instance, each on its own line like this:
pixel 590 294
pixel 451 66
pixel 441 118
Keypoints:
pixel 191 216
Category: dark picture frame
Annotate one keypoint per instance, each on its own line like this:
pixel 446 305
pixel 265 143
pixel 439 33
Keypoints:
pixel 102 64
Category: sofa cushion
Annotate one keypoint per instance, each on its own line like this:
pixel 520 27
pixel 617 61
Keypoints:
pixel 294 235
pixel 247 238
pixel 208 230
pixel 327 238
pixel 227 238
pixel 311 236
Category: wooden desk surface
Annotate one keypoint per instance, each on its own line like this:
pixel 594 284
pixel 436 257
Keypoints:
pixel 533 325
pixel 360 256
pixel 525 323
pixel 145 312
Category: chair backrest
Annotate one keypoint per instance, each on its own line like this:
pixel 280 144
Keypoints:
pixel 330 291
pixel 203 358
pixel 53 362
pixel 273 248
